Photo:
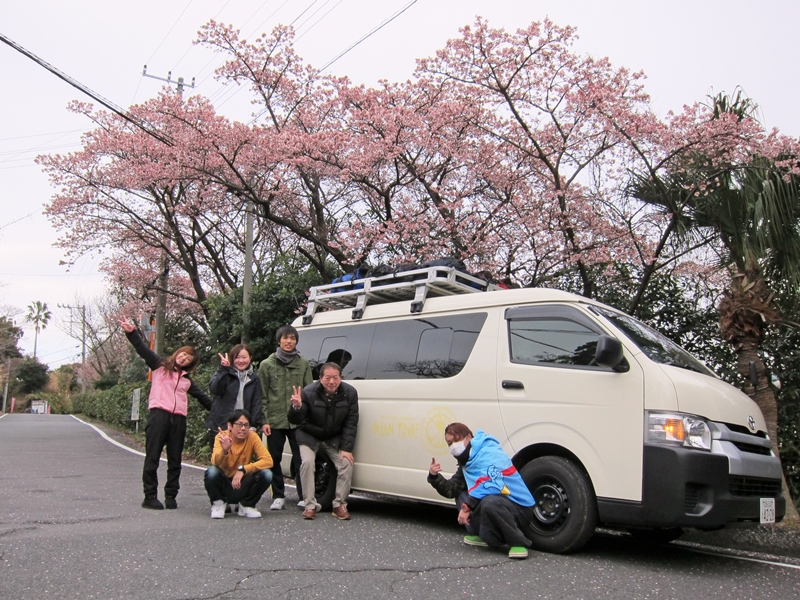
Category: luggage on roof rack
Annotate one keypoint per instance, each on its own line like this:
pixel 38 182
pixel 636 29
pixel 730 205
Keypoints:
pixel 415 285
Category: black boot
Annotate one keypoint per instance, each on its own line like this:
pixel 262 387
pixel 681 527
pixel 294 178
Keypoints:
pixel 153 502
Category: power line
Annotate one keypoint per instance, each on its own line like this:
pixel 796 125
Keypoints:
pixel 374 31
pixel 166 35
pixel 94 95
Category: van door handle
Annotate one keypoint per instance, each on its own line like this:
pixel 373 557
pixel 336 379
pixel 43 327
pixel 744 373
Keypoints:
pixel 512 385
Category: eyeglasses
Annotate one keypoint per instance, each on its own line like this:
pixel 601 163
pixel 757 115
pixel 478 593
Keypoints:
pixel 241 425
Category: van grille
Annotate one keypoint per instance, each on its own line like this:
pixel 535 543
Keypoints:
pixel 745 430
pixel 753 486
pixel 753 449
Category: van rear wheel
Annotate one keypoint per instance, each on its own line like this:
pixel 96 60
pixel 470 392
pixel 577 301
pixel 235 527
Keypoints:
pixel 324 480
pixel 565 513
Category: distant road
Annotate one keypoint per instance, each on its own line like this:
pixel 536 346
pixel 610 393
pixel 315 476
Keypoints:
pixel 71 527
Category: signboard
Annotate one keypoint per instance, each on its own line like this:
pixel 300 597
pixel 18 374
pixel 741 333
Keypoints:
pixel 38 407
pixel 135 404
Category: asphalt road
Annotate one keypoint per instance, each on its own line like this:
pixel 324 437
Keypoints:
pixel 71 526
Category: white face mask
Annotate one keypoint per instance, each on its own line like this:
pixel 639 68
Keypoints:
pixel 457 448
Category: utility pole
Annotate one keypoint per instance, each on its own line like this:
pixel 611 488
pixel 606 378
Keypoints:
pixel 248 272
pixel 180 84
pixel 8 377
pixel 163 278
pixel 82 308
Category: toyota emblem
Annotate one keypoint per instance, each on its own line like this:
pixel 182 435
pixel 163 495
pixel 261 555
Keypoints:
pixel 751 422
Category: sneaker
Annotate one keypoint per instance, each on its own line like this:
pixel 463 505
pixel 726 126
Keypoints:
pixel 170 502
pixel 301 504
pixel 309 514
pixel 218 509
pixel 474 540
pixel 518 552
pixel 277 504
pixel 152 502
pixel 249 512
pixel 341 513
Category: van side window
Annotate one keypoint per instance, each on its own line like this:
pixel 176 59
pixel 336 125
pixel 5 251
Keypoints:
pixel 557 335
pixel 423 348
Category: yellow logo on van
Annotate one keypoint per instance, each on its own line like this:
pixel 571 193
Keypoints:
pixel 430 431
pixel 433 425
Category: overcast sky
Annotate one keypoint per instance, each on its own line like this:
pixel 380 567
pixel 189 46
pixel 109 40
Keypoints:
pixel 688 49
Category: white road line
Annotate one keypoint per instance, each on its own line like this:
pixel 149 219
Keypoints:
pixel 710 550
pixel 124 447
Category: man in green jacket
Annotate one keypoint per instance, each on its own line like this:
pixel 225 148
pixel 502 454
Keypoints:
pixel 279 374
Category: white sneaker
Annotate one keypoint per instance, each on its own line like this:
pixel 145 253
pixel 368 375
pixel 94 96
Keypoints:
pixel 302 504
pixel 250 513
pixel 277 504
pixel 218 509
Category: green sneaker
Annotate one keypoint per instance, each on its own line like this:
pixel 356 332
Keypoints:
pixel 474 540
pixel 518 552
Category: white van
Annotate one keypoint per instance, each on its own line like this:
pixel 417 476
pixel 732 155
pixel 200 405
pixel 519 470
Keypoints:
pixel 608 421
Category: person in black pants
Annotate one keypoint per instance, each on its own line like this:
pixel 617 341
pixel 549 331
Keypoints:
pixel 166 419
pixel 240 468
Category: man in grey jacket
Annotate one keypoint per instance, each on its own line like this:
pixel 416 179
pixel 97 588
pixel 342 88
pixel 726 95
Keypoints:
pixel 326 413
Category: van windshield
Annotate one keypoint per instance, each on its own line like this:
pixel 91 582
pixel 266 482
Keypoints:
pixel 656 347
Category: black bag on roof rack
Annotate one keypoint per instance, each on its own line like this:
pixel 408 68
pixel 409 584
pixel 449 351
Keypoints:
pixel 448 261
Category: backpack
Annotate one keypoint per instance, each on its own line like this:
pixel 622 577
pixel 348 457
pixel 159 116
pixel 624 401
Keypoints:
pixel 349 278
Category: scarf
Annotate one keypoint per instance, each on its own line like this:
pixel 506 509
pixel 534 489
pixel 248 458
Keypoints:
pixel 244 377
pixel 489 471
pixel 285 357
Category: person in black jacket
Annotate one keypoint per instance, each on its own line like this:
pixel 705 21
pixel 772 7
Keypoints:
pixel 234 387
pixel 326 413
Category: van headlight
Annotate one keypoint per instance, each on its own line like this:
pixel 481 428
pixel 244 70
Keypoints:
pixel 677 429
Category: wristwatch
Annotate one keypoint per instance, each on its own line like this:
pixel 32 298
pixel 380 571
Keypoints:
pixel 241 468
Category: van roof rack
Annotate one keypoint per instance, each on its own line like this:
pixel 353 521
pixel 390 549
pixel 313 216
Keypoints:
pixel 415 285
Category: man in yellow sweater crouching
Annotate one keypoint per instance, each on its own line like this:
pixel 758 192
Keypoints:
pixel 240 468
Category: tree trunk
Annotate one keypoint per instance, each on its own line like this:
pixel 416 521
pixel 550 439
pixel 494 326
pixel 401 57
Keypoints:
pixel 764 397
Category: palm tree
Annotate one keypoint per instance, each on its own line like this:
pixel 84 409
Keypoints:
pixel 751 214
pixel 39 315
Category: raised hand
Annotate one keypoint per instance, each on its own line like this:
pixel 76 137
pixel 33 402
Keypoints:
pixel 297 398
pixel 435 467
pixel 223 360
pixel 126 325
pixel 224 441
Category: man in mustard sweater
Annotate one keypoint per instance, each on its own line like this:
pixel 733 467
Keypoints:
pixel 240 468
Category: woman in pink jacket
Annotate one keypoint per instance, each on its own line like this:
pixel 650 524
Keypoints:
pixel 166 418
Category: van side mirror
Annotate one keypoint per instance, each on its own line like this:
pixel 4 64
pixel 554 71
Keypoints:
pixel 609 354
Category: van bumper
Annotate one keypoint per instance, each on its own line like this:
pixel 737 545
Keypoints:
pixel 689 488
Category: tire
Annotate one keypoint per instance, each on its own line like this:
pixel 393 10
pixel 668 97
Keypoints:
pixel 658 535
pixel 324 481
pixel 565 513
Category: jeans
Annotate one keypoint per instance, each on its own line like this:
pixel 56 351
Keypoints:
pixel 253 485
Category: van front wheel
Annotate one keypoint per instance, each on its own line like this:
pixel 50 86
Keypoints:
pixel 565 513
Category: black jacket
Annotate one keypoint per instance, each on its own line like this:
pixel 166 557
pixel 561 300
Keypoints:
pixel 320 419
pixel 449 488
pixel 225 387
